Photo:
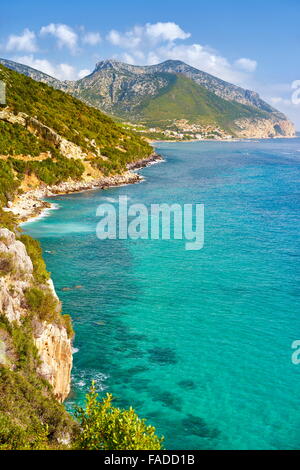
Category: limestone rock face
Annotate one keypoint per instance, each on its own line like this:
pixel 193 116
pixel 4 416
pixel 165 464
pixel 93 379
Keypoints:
pixel 55 350
pixel 52 341
pixel 13 286
pixel 264 128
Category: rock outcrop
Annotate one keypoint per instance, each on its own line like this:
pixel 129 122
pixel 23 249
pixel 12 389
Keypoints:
pixel 264 128
pixel 52 341
pixel 55 351
pixel 67 149
pixel 13 284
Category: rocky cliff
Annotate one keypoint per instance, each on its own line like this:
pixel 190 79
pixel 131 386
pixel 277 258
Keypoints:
pixel 50 337
pixel 264 128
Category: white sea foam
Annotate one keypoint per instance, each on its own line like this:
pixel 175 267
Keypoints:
pixel 110 199
pixel 84 379
pixel 113 200
pixel 45 213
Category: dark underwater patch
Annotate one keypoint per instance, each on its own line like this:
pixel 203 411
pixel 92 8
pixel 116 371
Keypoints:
pixel 135 354
pixel 140 384
pixel 137 370
pixel 198 427
pixel 187 384
pixel 126 404
pixel 163 356
pixel 168 399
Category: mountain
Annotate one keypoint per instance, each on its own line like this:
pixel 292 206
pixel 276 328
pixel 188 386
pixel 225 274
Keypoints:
pixel 173 90
pixel 161 95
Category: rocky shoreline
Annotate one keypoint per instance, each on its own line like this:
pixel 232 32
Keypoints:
pixel 31 204
pixel 154 158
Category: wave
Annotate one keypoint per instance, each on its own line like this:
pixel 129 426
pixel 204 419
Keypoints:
pixel 83 379
pixel 45 213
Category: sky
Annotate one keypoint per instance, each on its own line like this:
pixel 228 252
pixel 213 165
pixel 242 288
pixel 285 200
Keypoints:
pixel 250 43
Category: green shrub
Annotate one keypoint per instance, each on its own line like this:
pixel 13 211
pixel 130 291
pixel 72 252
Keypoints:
pixel 7 220
pixel 23 345
pixel 8 183
pixel 43 304
pixel 34 251
pixel 67 323
pixel 104 427
pixel 14 437
pixel 16 140
pixel 6 264
pixel 30 417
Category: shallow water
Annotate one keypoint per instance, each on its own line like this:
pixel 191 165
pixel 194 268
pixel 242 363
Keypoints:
pixel 199 342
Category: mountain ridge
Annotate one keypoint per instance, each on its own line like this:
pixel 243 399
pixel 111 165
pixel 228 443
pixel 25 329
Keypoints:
pixel 124 91
pixel 178 66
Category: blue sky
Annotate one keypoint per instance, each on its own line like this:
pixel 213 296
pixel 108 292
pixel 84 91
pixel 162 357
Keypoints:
pixel 254 44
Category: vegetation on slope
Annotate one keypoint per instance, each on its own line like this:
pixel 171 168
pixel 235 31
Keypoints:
pixel 73 120
pixel 68 116
pixel 16 140
pixel 185 99
pixel 30 416
pixel 104 427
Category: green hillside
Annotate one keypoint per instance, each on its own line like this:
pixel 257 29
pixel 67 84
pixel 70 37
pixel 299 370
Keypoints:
pixel 90 129
pixel 67 115
pixel 185 99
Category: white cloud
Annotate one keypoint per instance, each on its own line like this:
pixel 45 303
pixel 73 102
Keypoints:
pixel 165 31
pixel 25 42
pixel 284 97
pixel 60 71
pixel 246 64
pixel 196 55
pixel 66 36
pixel 92 39
pixel 83 73
pixel 127 58
pixel 147 34
pixel 279 100
pixel 203 58
pixel 153 43
pixel 128 40
pixel 66 72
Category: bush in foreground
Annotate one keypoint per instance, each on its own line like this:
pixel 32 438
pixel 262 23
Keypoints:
pixel 104 427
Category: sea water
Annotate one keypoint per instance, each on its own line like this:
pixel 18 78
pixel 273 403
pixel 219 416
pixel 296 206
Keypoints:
pixel 198 342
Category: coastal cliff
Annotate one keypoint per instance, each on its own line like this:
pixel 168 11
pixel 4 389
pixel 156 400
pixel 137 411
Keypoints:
pixel 51 338
pixel 264 128
pixel 55 351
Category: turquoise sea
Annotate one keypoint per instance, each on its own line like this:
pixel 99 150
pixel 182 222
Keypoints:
pixel 198 342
